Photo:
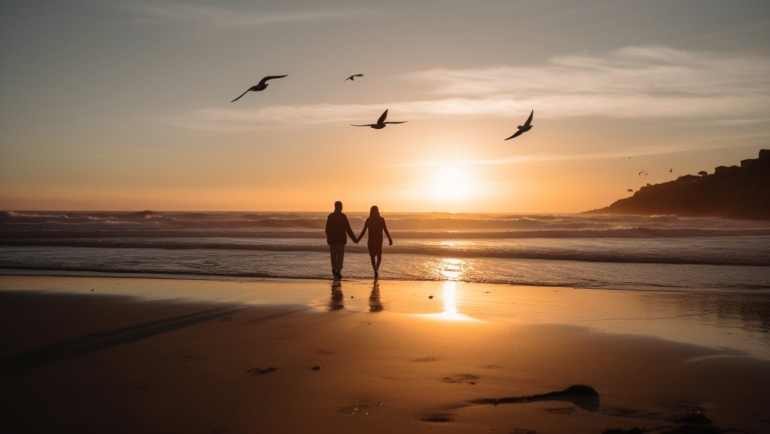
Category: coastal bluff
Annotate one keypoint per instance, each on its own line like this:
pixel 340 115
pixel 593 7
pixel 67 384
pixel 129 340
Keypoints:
pixel 738 192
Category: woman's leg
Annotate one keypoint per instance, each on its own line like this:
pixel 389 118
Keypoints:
pixel 379 259
pixel 374 267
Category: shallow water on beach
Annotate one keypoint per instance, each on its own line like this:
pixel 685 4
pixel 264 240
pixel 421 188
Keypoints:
pixel 205 263
pixel 608 252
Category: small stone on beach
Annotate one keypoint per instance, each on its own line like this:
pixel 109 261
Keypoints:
pixel 316 368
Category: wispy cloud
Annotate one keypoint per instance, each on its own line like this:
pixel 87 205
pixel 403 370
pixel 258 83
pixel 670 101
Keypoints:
pixel 635 82
pixel 642 151
pixel 216 16
pixel 650 70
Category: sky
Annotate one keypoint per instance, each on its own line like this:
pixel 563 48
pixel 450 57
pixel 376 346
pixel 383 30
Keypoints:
pixel 125 105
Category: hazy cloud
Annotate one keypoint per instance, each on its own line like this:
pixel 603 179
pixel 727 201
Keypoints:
pixel 643 151
pixel 215 16
pixel 653 70
pixel 634 82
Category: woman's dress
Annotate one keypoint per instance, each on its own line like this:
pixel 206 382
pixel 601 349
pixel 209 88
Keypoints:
pixel 376 226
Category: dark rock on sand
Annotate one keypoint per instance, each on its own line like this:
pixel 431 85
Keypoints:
pixel 584 397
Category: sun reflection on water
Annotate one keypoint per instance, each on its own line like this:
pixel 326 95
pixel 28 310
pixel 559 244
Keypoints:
pixel 451 268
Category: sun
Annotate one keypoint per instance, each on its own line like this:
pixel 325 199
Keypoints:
pixel 450 183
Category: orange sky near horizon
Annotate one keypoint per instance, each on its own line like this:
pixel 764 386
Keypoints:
pixel 127 106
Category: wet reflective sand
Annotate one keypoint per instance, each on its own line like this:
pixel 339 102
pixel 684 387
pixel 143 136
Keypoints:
pixel 377 356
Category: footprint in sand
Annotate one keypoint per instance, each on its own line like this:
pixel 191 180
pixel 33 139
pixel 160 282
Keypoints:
pixel 559 410
pixel 438 418
pixel 361 408
pixel 425 360
pixel 255 372
pixel 462 379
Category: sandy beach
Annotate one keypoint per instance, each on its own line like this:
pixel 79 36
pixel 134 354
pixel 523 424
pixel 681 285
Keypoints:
pixel 85 354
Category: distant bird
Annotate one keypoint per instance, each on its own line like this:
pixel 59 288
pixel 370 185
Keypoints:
pixel 670 170
pixel 523 128
pixel 353 77
pixel 261 86
pixel 640 173
pixel 380 122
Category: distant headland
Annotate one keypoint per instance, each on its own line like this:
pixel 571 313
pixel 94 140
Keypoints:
pixel 738 192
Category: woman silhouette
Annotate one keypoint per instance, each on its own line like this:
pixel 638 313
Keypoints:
pixel 376 226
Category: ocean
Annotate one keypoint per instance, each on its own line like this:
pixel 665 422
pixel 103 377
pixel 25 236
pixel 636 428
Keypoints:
pixel 575 250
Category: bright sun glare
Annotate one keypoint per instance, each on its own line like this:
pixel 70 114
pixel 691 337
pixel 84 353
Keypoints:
pixel 450 183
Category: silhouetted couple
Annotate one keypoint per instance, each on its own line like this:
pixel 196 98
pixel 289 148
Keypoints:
pixel 337 232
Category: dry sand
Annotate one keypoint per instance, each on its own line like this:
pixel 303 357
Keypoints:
pixel 153 355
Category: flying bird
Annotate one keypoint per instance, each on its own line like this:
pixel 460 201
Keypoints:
pixel 353 77
pixel 523 128
pixel 261 86
pixel 670 170
pixel 380 122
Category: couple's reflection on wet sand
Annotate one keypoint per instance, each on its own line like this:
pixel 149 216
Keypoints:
pixel 337 300
pixel 375 305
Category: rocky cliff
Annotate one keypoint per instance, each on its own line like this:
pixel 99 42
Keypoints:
pixel 740 192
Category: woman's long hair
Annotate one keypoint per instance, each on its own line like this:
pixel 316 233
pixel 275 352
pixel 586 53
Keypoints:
pixel 374 212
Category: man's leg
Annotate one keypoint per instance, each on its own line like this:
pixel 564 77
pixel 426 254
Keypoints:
pixel 337 252
pixel 333 254
pixel 340 259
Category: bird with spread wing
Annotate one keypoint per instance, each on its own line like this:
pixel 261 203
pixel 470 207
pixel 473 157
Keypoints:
pixel 380 122
pixel 523 128
pixel 261 86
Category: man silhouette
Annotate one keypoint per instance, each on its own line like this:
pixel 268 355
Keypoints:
pixel 337 232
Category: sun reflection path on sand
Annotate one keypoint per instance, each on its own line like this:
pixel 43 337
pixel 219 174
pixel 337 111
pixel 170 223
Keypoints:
pixel 452 270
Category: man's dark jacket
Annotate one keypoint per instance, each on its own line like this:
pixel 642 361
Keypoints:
pixel 337 225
